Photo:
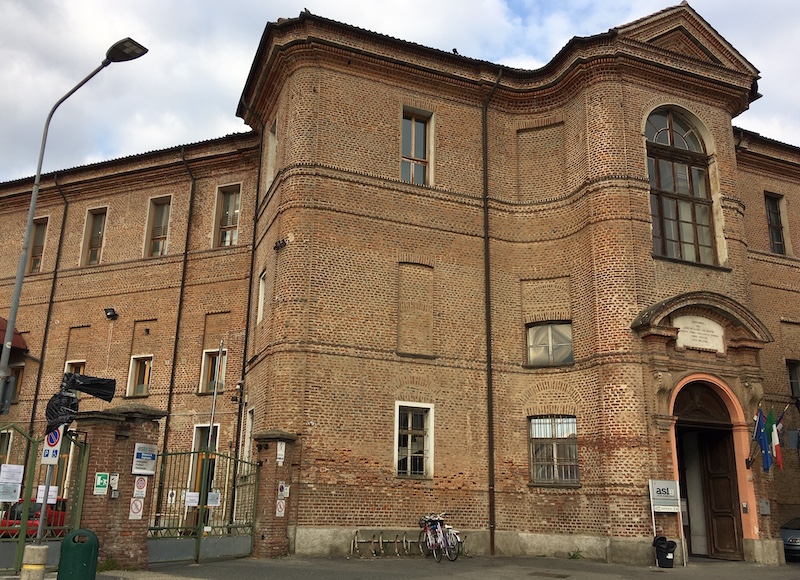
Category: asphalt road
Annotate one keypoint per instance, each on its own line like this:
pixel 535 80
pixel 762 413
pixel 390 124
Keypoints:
pixel 477 568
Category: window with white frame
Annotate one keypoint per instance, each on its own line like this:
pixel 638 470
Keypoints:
pixel 550 344
pixel 228 216
pixel 414 439
pixel 415 164
pixel 554 450
pixel 262 293
pixel 208 372
pixel 93 238
pixel 139 379
pixel 158 227
pixel 77 367
pixel 37 247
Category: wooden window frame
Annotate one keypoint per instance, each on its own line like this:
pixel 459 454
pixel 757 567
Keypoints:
pixel 37 245
pixel 93 253
pixel 139 363
pixel 692 209
pixel 157 232
pixel 777 240
pixel 532 361
pixel 227 231
pixel 415 157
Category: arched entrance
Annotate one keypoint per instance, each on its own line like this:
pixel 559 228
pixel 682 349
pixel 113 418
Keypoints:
pixel 707 471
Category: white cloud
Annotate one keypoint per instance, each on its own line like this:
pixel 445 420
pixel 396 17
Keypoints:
pixel 187 87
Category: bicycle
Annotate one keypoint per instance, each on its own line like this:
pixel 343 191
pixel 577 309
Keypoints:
pixel 436 538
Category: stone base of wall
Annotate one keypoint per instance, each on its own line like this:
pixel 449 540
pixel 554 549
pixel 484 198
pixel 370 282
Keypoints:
pixel 336 541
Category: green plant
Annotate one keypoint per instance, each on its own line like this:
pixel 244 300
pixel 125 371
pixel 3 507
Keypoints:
pixel 108 564
pixel 575 554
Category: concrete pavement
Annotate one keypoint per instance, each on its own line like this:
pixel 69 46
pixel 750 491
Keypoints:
pixel 466 568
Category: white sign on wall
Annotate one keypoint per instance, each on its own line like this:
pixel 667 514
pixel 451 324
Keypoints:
pixel 664 496
pixel 699 332
pixel 144 459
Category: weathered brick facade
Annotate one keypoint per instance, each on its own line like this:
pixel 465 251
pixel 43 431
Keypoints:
pixel 367 293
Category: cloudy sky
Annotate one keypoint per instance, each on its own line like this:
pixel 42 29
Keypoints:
pixel 187 87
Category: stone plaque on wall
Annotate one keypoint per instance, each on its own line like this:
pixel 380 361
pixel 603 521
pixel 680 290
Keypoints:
pixel 699 332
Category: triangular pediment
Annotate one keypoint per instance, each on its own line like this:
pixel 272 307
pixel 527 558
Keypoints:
pixel 682 31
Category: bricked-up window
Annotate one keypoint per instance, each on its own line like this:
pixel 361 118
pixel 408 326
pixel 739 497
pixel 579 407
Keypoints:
pixel 554 450
pixel 774 223
pixel 209 371
pixel 37 247
pixel 793 368
pixel 550 344
pixel 139 381
pixel 158 227
pixel 414 166
pixel 680 194
pixel 228 216
pixel 414 441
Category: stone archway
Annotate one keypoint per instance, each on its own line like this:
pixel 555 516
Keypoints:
pixel 711 443
pixel 707 473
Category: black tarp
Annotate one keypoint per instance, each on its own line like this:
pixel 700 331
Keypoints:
pixel 95 386
pixel 62 408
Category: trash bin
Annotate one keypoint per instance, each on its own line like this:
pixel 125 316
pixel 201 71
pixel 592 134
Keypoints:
pixel 665 551
pixel 79 551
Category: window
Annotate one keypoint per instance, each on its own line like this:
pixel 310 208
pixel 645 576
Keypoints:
pixel 414 440
pixel 414 166
pixel 209 371
pixel 262 292
pixel 228 212
pixel 16 373
pixel 139 381
pixel 554 450
pixel 680 197
pixel 77 367
pixel 37 247
pixel 774 223
pixel 550 344
pixel 5 446
pixel 159 223
pixel 272 152
pixel 95 228
pixel 793 367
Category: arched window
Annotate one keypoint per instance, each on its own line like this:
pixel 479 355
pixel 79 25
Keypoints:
pixel 680 195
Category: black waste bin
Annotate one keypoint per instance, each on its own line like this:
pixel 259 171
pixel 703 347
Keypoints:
pixel 79 551
pixel 665 551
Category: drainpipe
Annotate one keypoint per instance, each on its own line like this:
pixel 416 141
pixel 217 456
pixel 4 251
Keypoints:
pixel 246 345
pixel 49 315
pixel 178 317
pixel 488 314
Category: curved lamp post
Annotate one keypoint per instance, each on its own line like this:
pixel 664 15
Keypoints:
pixel 126 49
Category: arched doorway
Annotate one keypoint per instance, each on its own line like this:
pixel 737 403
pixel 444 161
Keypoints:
pixel 704 439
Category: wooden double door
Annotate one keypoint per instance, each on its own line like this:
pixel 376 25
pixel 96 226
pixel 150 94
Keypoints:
pixel 707 466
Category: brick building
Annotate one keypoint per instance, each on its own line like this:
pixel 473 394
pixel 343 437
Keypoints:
pixel 447 285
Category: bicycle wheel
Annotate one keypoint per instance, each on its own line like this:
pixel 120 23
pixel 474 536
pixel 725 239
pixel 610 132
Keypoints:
pixel 423 544
pixel 451 546
pixel 437 552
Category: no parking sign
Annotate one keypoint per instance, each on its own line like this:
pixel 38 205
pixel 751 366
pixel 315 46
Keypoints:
pixel 52 446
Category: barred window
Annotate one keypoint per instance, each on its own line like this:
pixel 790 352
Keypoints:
pixel 554 450
pixel 414 441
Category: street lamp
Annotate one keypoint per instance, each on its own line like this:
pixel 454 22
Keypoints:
pixel 122 51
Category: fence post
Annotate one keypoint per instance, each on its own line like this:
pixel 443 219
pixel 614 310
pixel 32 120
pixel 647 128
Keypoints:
pixel 120 523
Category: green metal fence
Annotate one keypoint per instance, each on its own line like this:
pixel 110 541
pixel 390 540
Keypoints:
pixel 19 455
pixel 201 496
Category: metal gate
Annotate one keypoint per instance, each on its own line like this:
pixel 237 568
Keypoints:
pixel 22 476
pixel 204 507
